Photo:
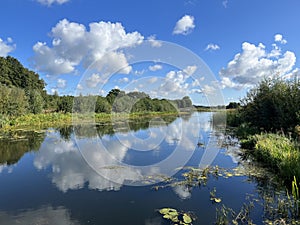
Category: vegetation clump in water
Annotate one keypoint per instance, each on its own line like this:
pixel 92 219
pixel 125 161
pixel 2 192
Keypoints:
pixel 176 217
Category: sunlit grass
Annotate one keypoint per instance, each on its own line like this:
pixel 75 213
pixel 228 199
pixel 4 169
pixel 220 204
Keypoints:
pixel 279 153
pixel 61 119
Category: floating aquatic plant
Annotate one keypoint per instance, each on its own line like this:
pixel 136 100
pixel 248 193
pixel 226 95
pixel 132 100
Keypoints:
pixel 213 196
pixel 176 217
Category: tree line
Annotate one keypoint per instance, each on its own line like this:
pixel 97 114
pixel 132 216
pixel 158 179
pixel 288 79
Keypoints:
pixel 22 92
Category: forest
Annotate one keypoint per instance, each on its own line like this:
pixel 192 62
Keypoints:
pixel 23 92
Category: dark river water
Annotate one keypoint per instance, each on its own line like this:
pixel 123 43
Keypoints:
pixel 121 173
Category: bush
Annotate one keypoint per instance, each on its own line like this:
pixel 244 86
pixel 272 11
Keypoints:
pixel 273 105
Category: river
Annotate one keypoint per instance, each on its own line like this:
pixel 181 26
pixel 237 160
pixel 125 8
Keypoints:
pixel 124 173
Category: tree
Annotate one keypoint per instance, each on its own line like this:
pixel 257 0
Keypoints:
pixel 113 94
pixel 14 74
pixel 233 105
pixel 36 101
pixel 65 104
pixel 273 105
pixel 102 105
pixel 13 101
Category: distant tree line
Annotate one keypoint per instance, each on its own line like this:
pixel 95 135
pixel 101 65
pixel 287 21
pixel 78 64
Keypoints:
pixel 23 92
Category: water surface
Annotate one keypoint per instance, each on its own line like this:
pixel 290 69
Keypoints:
pixel 109 173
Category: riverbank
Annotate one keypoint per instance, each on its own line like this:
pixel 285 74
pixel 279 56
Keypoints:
pixel 39 121
pixel 276 151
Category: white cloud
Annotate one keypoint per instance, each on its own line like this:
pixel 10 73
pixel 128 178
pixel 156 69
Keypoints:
pixel 154 42
pixel 208 89
pixel 276 51
pixel 94 80
pixel 124 80
pixel 196 83
pixel 185 25
pixel 6 47
pixel 190 70
pixel 53 90
pixel 50 2
pixel 152 80
pixel 212 47
pixel 279 38
pixel 139 72
pixel 175 84
pixel 155 67
pixel 61 83
pixel 79 87
pixel 73 45
pixel 253 64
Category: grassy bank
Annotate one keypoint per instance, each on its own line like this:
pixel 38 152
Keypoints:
pixel 61 119
pixel 277 152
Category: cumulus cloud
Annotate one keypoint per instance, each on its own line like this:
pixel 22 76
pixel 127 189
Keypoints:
pixel 155 67
pixel 50 2
pixel 61 83
pixel 154 42
pixel 6 47
pixel 212 47
pixel 185 25
pixel 253 64
pixel 93 80
pixel 175 84
pixel 190 70
pixel 279 38
pixel 73 44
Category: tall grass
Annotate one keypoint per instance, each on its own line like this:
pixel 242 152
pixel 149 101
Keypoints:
pixel 277 152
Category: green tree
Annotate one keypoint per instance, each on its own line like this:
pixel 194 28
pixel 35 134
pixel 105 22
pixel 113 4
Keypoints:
pixel 113 94
pixel 102 105
pixel 13 101
pixel 65 104
pixel 36 101
pixel 273 105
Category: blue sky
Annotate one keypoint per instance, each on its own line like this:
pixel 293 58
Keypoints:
pixel 241 42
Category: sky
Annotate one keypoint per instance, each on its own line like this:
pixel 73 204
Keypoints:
pixel 211 50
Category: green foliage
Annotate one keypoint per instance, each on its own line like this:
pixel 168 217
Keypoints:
pixel 84 104
pixel 277 152
pixel 65 104
pixel 102 105
pixel 176 217
pixel 132 102
pixel 13 101
pixel 36 101
pixel 113 94
pixel 11 150
pixel 12 73
pixel 233 105
pixel 273 105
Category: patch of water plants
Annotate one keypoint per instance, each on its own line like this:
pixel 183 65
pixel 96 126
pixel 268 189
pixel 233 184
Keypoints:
pixel 280 206
pixel 177 217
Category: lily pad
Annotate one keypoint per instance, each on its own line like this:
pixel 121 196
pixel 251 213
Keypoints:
pixel 186 218
pixel 217 200
pixel 167 210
